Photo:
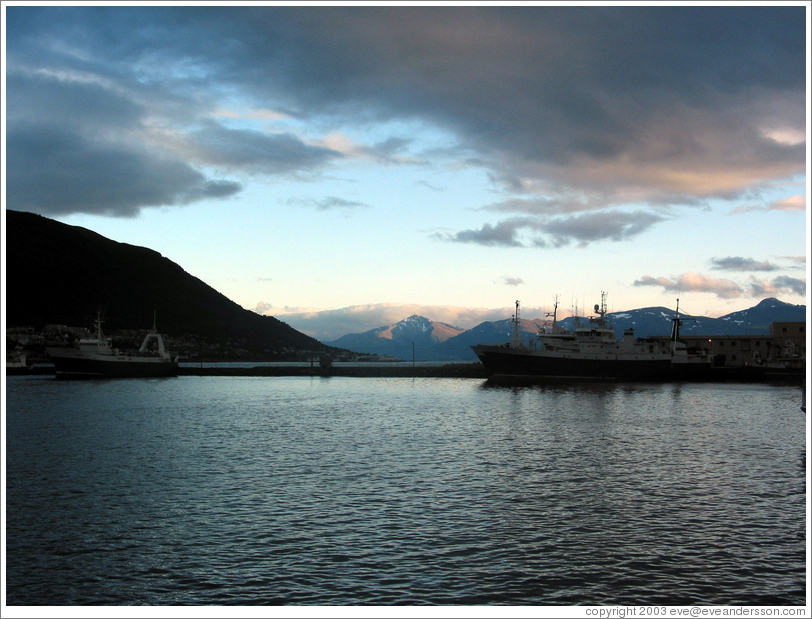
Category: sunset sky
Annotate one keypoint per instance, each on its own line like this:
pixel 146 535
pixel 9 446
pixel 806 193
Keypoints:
pixel 345 167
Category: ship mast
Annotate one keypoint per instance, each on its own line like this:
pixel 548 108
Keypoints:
pixel 515 341
pixel 600 310
pixel 675 330
pixel 554 314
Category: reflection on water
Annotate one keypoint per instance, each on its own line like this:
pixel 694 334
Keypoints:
pixel 418 491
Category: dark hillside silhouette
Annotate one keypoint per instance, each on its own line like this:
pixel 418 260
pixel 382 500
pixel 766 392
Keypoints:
pixel 61 274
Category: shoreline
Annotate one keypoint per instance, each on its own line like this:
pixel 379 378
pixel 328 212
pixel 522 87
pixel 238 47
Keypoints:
pixel 461 370
pixel 451 370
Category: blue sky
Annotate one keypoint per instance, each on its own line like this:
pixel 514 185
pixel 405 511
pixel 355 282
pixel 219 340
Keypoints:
pixel 345 167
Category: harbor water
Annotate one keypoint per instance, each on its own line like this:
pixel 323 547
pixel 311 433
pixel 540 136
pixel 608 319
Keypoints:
pixel 378 491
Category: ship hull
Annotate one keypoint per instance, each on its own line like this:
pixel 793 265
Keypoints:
pixel 692 371
pixel 71 364
pixel 500 361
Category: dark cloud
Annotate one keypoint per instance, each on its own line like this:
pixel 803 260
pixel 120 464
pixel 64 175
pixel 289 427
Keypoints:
pixel 56 172
pixel 559 231
pixel 503 234
pixel 669 101
pixel 589 227
pixel 388 150
pixel 256 152
pixel 737 263
pixel 77 141
pixel 33 98
pixel 791 284
pixel 598 106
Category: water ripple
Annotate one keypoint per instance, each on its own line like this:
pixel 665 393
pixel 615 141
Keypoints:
pixel 354 491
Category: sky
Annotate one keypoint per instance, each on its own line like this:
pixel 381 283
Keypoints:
pixel 345 167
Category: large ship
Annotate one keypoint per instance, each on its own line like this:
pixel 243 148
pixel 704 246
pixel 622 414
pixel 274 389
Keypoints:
pixel 96 357
pixel 592 351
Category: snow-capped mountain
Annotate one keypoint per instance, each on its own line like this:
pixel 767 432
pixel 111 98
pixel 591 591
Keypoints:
pixel 651 321
pixel 767 311
pixel 397 340
pixel 439 341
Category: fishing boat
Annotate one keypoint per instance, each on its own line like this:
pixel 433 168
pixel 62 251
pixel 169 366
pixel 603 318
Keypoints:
pixel 592 351
pixel 95 357
pixel 17 363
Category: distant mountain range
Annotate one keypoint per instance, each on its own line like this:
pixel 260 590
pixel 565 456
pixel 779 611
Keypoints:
pixel 438 341
pixel 61 274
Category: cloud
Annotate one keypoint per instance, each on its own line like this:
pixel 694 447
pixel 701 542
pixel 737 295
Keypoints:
pixel 512 281
pixel 616 226
pixel 547 205
pixel 385 152
pixel 254 151
pixel 56 172
pixel 503 234
pixel 558 231
pixel 778 285
pixel 585 107
pixel 793 203
pixel 330 202
pixel 725 288
pixel 800 261
pixel 738 263
pixel 694 282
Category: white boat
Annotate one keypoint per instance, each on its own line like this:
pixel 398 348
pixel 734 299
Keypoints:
pixel 592 351
pixel 96 357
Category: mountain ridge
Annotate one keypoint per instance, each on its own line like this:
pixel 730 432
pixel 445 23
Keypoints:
pixel 399 338
pixel 62 274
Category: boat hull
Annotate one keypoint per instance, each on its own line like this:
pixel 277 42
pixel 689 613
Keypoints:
pixel 69 364
pixel 692 371
pixel 501 361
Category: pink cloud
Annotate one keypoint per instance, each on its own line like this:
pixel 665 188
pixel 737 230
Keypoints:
pixel 695 282
pixel 793 203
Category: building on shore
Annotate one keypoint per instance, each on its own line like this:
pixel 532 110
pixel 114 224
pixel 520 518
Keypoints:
pixel 785 345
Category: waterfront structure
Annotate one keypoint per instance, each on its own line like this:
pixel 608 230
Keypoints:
pixel 786 343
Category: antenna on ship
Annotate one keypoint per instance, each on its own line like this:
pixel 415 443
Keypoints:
pixel 554 314
pixel 600 310
pixel 515 342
